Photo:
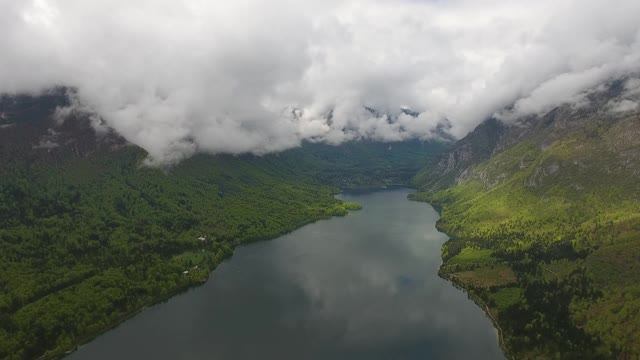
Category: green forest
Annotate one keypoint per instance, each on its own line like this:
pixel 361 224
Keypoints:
pixel 86 244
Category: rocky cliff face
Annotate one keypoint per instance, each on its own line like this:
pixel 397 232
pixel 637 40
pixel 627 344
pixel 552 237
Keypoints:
pixel 454 164
pixel 42 128
pixel 611 105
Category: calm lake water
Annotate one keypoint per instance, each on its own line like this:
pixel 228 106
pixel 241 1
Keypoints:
pixel 360 287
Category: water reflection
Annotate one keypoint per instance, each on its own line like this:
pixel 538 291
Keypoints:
pixel 360 287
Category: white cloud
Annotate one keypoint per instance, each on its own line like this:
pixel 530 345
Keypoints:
pixel 176 77
pixel 623 106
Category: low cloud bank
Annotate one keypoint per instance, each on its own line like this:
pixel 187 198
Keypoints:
pixel 178 77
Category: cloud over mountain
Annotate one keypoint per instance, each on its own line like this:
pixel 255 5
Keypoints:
pixel 176 77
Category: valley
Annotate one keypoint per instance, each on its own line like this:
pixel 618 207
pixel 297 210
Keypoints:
pixel 353 179
pixel 364 286
pixel 543 218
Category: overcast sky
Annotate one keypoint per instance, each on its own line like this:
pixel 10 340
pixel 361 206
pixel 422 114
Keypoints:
pixel 176 77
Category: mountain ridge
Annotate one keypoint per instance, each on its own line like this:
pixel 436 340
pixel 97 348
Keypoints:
pixel 538 216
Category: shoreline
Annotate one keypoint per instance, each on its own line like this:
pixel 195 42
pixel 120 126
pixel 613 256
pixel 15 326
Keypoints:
pixel 485 309
pixel 481 304
pixel 64 353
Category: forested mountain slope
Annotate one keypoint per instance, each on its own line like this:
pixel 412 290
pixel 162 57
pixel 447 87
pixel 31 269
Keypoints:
pixel 89 235
pixel 544 216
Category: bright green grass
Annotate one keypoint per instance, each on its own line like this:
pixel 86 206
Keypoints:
pixel 470 255
pixel 193 258
pixel 505 297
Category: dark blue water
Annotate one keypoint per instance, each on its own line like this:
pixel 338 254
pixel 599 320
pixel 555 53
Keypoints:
pixel 360 287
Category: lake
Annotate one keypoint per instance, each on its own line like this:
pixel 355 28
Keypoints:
pixel 364 286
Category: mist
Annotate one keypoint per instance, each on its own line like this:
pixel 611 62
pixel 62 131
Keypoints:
pixel 249 76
